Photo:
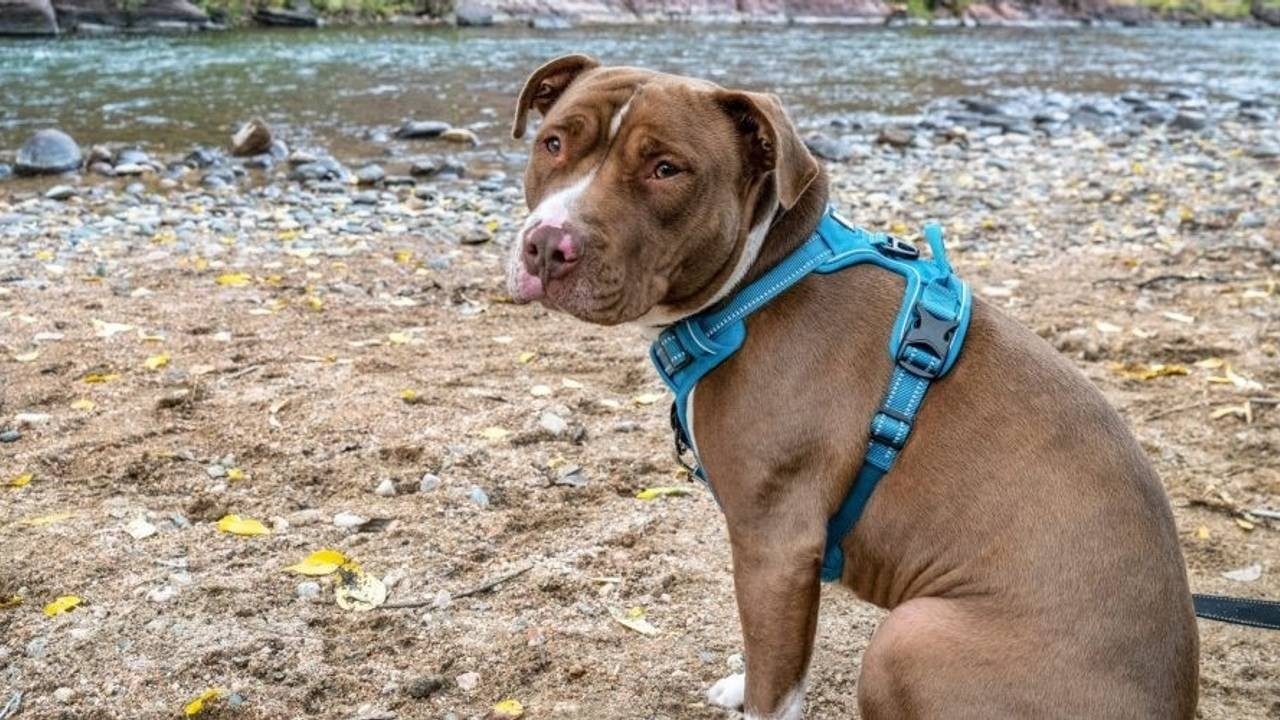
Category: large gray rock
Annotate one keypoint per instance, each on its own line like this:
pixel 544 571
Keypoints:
pixel 162 13
pixel 47 152
pixel 27 17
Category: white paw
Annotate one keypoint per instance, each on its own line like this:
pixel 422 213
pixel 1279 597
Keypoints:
pixel 729 692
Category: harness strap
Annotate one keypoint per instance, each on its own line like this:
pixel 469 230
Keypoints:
pixel 1253 612
pixel 923 345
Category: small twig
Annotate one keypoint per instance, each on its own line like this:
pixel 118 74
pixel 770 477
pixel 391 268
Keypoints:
pixel 485 586
pixel 1264 512
pixel 1173 278
pixel 11 708
pixel 1175 410
pixel 1264 400
pixel 241 372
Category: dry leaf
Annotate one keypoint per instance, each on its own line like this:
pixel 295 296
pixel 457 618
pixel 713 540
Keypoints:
pixel 12 601
pixel 633 619
pixel 100 378
pixel 109 329
pixel 1202 533
pixel 509 709
pixel 1245 574
pixel 237 525
pixel 140 529
pixel 410 396
pixel 238 279
pixel 196 706
pixel 571 383
pixel 399 338
pixel 654 493
pixel 50 519
pixel 66 603
pixel 155 362
pixel 1179 317
pixel 235 473
pixel 494 433
pixel 1142 371
pixel 320 562
pixel 1212 363
pixel 358 590
pixel 403 257
pixel 22 480
pixel 1245 524
pixel 84 405
pixel 1244 411
pixel 526 357
pixel 646 398
pixel 27 357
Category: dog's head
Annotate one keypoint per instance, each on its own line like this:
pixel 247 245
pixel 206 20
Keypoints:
pixel 650 193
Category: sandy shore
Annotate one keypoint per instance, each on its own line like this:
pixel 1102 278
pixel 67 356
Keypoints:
pixel 290 355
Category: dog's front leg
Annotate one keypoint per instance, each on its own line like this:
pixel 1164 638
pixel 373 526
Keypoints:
pixel 776 561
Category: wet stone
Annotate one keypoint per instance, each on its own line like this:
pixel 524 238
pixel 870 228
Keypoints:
pixel 422 129
pixel 829 148
pixel 1189 121
pixel 371 175
pixel 48 152
pixel 61 192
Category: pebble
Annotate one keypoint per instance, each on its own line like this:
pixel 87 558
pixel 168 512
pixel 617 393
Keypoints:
pixel 428 483
pixel 1189 121
pixel 829 148
pixel 626 426
pixel 253 138
pixel 422 129
pixel 371 175
pixel 348 520
pixel 63 695
pixel 308 590
pixel 386 488
pixel 10 436
pixel 421 688
pixel 468 680
pixel 461 136
pixel 30 419
pixel 478 496
pixel 163 594
pixel 61 192
pixel 553 423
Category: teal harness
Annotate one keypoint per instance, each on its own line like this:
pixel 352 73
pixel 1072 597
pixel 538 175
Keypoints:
pixel 924 344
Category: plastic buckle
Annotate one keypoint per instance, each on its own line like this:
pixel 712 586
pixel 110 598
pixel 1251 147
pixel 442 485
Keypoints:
pixel 932 333
pixel 670 367
pixel 891 245
pixel 682 446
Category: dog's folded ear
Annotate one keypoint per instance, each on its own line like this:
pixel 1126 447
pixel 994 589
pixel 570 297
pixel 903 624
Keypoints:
pixel 545 86
pixel 773 143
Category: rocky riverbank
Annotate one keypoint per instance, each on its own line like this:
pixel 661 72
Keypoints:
pixel 53 17
pixel 330 351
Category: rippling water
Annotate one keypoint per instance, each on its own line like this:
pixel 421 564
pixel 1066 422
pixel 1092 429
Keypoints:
pixel 169 92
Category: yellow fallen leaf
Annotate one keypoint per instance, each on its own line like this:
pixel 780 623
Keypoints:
pixel 44 255
pixel 22 480
pixel 196 706
pixel 84 405
pixel 633 619
pixel 66 603
pixel 12 601
pixel 235 473
pixel 494 433
pixel 526 357
pixel 654 493
pixel 357 589
pixel 1245 524
pixel 1142 371
pixel 1212 363
pixel 288 235
pixel 27 357
pixel 315 303
pixel 1244 411
pixel 237 525
pixel 100 378
pixel 1202 533
pixel 320 562
pixel 403 257
pixel 509 709
pixel 50 519
pixel 399 338
pixel 410 396
pixel 238 279
pixel 155 362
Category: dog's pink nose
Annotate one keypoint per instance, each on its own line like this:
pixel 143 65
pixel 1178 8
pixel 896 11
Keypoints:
pixel 557 249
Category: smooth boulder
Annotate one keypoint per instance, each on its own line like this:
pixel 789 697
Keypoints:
pixel 422 129
pixel 27 17
pixel 48 152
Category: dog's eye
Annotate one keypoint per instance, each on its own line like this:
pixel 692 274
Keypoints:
pixel 552 144
pixel 664 170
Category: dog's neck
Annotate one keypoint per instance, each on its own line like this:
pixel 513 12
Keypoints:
pixel 791 228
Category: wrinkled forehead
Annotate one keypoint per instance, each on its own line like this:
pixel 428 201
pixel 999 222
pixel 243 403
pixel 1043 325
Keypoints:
pixel 616 96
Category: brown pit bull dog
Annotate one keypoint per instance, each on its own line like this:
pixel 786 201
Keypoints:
pixel 1022 542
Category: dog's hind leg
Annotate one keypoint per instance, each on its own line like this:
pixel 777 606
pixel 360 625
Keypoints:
pixel 976 657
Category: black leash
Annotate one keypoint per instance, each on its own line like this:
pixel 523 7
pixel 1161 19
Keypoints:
pixel 1239 611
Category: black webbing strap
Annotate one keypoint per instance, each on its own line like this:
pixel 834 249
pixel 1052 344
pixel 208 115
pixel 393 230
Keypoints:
pixel 1239 611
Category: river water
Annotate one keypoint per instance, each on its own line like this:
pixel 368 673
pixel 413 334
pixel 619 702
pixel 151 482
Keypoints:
pixel 333 86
